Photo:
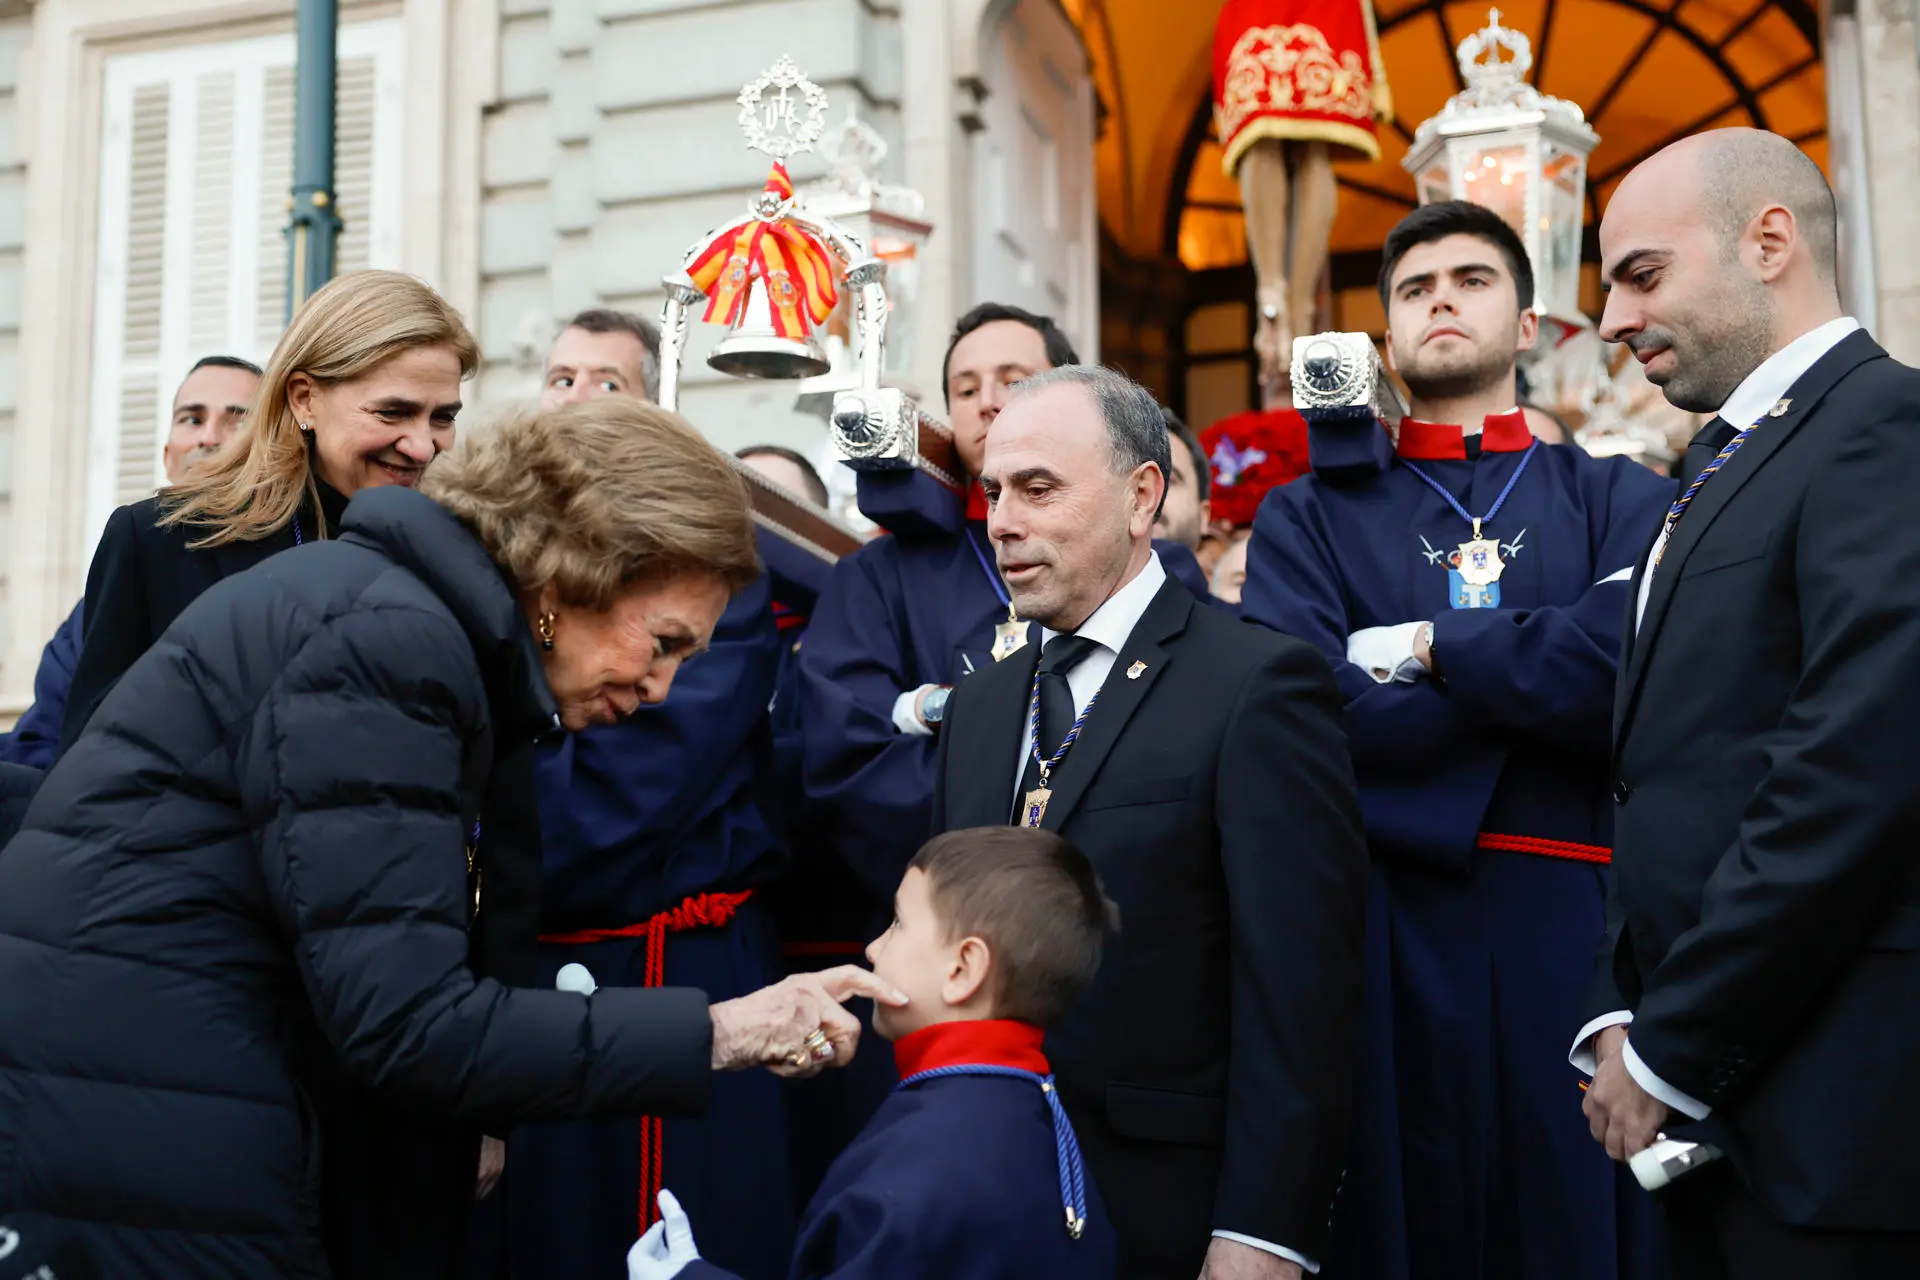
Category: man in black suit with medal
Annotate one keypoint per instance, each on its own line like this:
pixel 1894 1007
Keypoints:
pixel 1202 765
pixel 1759 986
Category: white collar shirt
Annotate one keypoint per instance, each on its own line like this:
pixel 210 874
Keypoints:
pixel 1749 403
pixel 1108 626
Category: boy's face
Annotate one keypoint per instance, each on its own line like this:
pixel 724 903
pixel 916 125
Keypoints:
pixel 915 956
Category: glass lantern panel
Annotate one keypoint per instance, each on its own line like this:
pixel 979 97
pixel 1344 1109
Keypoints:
pixel 902 257
pixel 1562 216
pixel 1435 182
pixel 1496 174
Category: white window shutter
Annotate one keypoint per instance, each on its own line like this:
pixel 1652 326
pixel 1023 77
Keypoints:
pixel 196 163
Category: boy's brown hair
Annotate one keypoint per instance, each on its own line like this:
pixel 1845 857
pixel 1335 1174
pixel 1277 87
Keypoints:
pixel 1036 902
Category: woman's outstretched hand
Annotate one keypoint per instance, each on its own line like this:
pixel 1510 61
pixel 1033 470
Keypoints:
pixel 796 1027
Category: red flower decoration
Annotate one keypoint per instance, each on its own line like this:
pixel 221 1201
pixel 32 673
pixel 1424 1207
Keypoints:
pixel 1251 453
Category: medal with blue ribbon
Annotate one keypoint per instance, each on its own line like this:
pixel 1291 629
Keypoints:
pixel 1473 570
pixel 1034 806
pixel 1009 637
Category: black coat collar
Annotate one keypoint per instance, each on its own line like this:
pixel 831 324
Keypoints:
pixel 426 539
pixel 994 726
pixel 1804 396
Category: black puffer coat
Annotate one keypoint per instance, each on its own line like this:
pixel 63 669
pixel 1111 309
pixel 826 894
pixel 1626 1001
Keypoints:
pixel 243 896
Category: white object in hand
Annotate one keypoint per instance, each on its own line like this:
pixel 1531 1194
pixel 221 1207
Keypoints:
pixel 1667 1159
pixel 575 977
pixel 667 1247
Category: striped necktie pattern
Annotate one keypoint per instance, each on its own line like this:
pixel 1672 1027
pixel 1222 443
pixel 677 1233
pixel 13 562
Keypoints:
pixel 1679 507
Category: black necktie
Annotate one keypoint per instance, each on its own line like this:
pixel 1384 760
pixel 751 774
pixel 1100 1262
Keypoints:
pixel 1705 446
pixel 1062 654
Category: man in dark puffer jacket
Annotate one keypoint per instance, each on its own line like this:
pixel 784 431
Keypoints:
pixel 250 872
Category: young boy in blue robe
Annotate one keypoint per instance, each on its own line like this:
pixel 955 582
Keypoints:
pixel 1469 585
pixel 970 1169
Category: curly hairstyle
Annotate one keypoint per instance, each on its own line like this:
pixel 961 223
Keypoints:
pixel 351 326
pixel 597 496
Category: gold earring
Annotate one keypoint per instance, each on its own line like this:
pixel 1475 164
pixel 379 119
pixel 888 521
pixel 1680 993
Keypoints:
pixel 545 627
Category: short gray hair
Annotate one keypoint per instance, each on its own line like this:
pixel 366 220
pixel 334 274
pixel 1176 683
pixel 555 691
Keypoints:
pixel 646 332
pixel 1136 428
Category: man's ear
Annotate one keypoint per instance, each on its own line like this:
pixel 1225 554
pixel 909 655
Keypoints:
pixel 1149 491
pixel 1529 329
pixel 967 975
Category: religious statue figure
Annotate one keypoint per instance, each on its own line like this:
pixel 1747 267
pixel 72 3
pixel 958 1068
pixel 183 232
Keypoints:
pixel 1293 80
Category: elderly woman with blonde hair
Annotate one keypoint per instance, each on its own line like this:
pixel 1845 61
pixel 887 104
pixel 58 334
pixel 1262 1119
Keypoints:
pixel 238 930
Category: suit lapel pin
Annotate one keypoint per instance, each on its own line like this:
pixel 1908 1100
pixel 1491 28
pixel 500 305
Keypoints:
pixel 1134 671
pixel 1779 409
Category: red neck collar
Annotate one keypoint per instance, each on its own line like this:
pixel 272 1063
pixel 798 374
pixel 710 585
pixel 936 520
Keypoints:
pixel 1439 441
pixel 994 1042
pixel 976 501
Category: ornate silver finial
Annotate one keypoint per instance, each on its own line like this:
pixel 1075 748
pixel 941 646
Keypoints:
pixel 1482 64
pixel 771 122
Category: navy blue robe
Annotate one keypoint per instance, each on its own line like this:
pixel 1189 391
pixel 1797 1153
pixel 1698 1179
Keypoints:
pixel 679 800
pixel 35 738
pixel 898 614
pixel 1470 1155
pixel 953 1179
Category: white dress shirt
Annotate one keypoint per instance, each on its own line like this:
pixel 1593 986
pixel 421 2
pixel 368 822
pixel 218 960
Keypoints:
pixel 1750 401
pixel 1748 406
pixel 1109 627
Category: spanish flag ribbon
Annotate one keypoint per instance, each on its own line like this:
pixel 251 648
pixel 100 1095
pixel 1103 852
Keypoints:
pixel 796 268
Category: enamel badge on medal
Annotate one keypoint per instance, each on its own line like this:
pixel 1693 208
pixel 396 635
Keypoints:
pixel 1009 637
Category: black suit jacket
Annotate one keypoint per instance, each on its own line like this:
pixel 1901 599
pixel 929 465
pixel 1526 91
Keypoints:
pixel 1766 893
pixel 1208 1070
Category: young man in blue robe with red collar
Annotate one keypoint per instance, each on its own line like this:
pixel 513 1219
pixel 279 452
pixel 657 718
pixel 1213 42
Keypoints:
pixel 970 1170
pixel 1469 584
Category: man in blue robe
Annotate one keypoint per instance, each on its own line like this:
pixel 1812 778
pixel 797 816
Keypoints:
pixel 659 836
pixel 1469 585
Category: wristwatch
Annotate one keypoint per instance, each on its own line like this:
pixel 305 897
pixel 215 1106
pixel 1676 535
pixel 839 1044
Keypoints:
pixel 934 706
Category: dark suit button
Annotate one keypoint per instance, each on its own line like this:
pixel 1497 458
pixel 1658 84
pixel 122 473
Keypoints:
pixel 1620 792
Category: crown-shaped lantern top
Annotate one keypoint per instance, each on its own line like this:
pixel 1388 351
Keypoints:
pixel 1482 64
pixel 1494 62
pixel 770 111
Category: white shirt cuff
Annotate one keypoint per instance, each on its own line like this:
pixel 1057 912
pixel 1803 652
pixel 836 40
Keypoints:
pixel 1582 1054
pixel 1386 653
pixel 1653 1084
pixel 1277 1250
pixel 903 718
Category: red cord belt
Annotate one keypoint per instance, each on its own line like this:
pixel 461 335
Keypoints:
pixel 701 911
pixel 1545 848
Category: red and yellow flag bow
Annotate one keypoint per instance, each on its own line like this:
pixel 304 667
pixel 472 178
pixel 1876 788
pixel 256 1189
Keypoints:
pixel 796 267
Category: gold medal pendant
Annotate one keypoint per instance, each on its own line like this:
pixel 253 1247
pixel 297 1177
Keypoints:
pixel 1479 562
pixel 1035 806
pixel 1009 637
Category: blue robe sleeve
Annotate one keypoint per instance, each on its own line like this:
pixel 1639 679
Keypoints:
pixel 871 785
pixel 1549 673
pixel 36 737
pixel 1425 777
pixel 1294 587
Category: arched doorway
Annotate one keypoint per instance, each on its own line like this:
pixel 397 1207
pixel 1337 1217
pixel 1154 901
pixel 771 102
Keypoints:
pixel 1646 72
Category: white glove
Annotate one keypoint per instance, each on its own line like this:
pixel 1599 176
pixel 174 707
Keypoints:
pixel 667 1247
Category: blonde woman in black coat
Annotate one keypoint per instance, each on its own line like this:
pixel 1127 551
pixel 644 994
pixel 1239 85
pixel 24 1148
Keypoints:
pixel 241 1031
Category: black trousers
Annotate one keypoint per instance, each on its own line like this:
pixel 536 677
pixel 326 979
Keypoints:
pixel 1716 1230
